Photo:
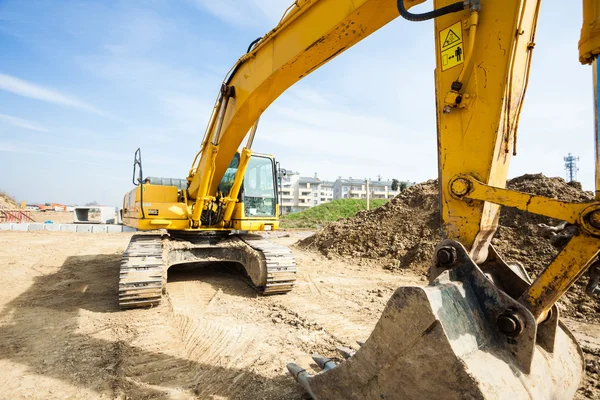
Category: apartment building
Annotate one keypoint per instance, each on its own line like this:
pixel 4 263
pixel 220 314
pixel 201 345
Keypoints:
pixel 349 189
pixel 309 191
pixel 326 192
pixel 299 193
pixel 357 189
pixel 287 193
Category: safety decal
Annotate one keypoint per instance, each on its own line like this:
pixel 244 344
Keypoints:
pixel 451 46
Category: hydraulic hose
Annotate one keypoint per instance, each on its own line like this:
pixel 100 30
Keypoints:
pixel 473 21
pixel 449 9
pixel 239 64
pixel 253 43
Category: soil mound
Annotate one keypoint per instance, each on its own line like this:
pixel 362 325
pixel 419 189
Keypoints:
pixel 7 201
pixel 406 228
pixel 404 232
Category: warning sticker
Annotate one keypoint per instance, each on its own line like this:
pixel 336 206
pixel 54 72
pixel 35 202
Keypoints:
pixel 451 46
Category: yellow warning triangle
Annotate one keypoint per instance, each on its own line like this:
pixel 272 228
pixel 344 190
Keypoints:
pixel 451 38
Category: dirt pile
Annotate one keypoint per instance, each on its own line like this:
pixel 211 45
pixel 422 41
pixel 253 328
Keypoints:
pixel 404 232
pixel 7 201
pixel 590 384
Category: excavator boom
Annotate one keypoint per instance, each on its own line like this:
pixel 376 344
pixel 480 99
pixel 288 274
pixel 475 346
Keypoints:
pixel 310 33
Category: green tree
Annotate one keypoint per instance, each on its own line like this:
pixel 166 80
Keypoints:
pixel 395 183
pixel 403 186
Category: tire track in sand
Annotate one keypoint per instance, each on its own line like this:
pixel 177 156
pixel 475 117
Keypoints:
pixel 213 338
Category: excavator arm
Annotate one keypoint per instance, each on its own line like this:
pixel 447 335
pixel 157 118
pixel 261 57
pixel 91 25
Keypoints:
pixel 482 328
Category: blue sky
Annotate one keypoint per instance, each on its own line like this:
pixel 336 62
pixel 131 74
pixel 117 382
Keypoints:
pixel 84 83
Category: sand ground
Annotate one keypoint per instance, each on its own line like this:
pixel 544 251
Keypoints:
pixel 63 336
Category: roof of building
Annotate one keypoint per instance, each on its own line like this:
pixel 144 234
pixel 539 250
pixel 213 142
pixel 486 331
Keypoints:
pixel 327 183
pixel 307 179
pixel 351 181
pixel 363 182
pixel 380 183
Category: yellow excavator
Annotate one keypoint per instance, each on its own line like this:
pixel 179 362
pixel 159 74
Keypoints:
pixel 244 200
pixel 482 328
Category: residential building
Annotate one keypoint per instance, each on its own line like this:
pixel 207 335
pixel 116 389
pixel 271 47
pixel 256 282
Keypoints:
pixel 357 189
pixel 287 193
pixel 349 189
pixel 309 191
pixel 326 192
pixel 299 193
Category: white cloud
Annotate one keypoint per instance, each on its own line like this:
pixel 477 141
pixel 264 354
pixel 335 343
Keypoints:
pixel 19 149
pixel 116 49
pixel 187 114
pixel 246 13
pixel 309 95
pixel 334 140
pixel 56 150
pixel 33 91
pixel 152 76
pixel 22 123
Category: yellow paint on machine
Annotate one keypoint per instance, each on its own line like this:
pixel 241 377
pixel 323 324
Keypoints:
pixel 451 46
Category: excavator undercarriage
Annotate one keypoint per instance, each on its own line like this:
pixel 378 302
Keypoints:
pixel 269 268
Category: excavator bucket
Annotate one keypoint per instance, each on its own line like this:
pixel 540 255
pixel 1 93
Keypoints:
pixel 461 337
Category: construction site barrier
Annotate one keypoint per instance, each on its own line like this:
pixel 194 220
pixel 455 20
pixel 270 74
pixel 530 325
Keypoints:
pixel 79 228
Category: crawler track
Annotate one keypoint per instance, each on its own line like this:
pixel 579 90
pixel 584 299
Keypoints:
pixel 141 275
pixel 280 264
pixel 145 262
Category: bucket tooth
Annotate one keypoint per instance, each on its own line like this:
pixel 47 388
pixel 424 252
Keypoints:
pixel 301 376
pixel 295 370
pixel 345 352
pixel 323 362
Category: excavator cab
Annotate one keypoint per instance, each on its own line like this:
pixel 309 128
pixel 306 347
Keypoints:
pixel 160 203
pixel 257 204
pixel 259 194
